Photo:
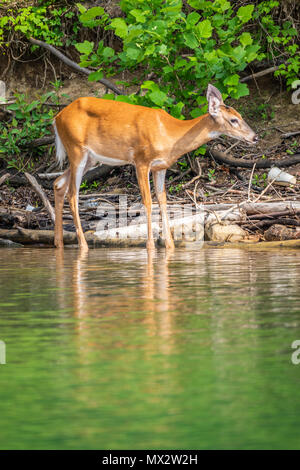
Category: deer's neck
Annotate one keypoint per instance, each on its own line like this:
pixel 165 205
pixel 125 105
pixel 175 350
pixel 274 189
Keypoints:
pixel 192 134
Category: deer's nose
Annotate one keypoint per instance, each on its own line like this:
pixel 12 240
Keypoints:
pixel 255 139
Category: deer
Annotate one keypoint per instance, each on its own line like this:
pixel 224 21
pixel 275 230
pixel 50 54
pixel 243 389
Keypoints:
pixel 116 133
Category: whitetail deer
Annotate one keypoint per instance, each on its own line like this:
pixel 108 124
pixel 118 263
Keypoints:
pixel 93 130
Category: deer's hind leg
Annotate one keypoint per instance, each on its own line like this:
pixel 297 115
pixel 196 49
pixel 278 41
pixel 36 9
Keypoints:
pixel 61 186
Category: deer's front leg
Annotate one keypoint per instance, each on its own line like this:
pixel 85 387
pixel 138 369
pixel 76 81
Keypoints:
pixel 143 180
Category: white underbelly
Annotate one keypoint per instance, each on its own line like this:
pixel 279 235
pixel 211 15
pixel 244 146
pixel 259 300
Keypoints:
pixel 107 160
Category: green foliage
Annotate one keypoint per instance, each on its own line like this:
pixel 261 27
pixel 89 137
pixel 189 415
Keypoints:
pixel 30 120
pixel 281 40
pixel 183 49
pixel 186 47
pixel 42 20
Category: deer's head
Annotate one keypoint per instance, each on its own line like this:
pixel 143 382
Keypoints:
pixel 227 120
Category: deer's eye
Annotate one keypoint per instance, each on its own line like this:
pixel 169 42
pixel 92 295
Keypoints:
pixel 234 121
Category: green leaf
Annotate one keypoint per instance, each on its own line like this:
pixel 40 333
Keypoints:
pixel 176 110
pixel 224 4
pixel 245 13
pixel 241 90
pixel 232 80
pixel 91 14
pixel 193 18
pixel 197 4
pixel 139 15
pixel 190 40
pixel 246 39
pixel 80 7
pixel 201 150
pixel 251 52
pixel 158 97
pixel 120 27
pixel 163 49
pixel 94 76
pixel 149 49
pixel 85 47
pixel 196 113
pixel 132 52
pixel 204 29
pixel 150 85
pixel 108 52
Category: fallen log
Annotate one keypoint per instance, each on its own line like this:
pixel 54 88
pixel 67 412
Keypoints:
pixel 223 158
pixel 47 183
pixel 46 237
pixel 49 139
pixel 265 207
pixel 262 73
pixel 268 222
pixel 280 232
pixel 73 65
pixel 273 215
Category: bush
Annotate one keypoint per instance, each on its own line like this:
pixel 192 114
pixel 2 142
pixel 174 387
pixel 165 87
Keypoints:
pixel 184 47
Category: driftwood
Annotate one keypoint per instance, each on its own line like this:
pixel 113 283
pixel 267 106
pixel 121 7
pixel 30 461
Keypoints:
pixel 189 228
pixel 73 65
pixel 267 222
pixel 42 195
pixel 49 176
pixel 259 74
pixel 273 215
pixel 255 208
pixel 280 232
pixel 4 178
pixel 252 208
pixel 46 237
pixel 49 139
pixel 223 158
pixel 289 134
pixel 47 182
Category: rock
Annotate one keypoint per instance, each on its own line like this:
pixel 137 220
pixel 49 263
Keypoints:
pixel 224 232
pixel 9 243
pixel 280 232
pixel 281 177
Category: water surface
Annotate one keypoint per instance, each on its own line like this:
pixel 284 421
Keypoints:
pixel 113 350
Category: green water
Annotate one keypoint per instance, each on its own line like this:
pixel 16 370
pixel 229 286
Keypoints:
pixel 112 350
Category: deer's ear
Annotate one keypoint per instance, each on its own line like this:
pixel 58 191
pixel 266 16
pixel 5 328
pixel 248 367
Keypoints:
pixel 214 99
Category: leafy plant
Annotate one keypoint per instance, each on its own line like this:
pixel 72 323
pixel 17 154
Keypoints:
pixel 281 40
pixel 42 20
pixel 30 120
pixel 184 49
pixel 211 174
